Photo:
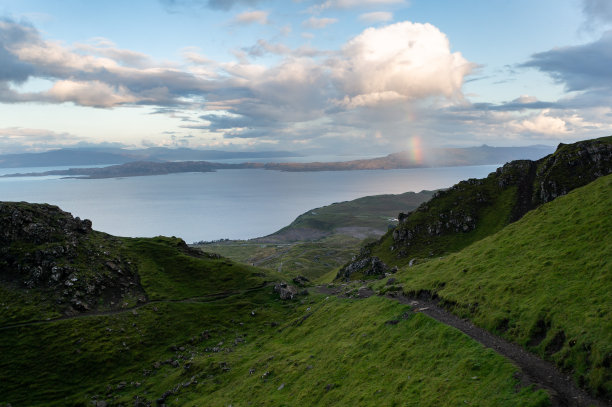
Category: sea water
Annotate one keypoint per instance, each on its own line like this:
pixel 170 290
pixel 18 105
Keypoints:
pixel 234 204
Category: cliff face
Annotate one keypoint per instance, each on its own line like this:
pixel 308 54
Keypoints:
pixel 570 167
pixel 45 249
pixel 476 208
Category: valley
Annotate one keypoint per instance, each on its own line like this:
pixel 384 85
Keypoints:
pixel 88 318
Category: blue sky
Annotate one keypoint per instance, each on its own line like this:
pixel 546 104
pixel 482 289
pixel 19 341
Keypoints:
pixel 333 76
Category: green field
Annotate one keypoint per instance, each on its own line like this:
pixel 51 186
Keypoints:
pixel 322 352
pixel 308 259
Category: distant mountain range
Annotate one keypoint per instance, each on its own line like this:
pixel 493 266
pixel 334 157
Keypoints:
pixel 166 161
pixel 435 157
pixel 101 156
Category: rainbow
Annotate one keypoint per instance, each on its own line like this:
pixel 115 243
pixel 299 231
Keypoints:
pixel 416 150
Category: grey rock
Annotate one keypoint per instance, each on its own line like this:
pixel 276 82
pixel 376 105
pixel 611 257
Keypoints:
pixel 285 291
pixel 301 280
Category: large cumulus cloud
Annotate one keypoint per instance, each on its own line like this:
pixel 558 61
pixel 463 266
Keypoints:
pixel 399 62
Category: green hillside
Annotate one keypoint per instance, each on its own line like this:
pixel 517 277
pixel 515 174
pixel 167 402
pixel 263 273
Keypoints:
pixel 370 215
pixel 207 331
pixel 544 282
pixel 322 239
pixel 217 354
pixel 476 208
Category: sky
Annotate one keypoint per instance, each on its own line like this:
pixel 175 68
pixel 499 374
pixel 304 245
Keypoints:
pixel 319 76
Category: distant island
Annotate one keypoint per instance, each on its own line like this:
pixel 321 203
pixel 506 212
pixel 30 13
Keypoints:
pixel 440 157
pixel 116 155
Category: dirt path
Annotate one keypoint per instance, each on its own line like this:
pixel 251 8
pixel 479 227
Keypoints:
pixel 205 298
pixel 561 388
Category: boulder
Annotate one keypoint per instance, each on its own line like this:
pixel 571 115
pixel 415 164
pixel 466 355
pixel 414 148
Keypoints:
pixel 285 291
pixel 301 280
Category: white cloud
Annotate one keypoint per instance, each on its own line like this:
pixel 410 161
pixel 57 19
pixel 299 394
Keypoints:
pixel 255 16
pixel 82 73
pixel 376 17
pixel 19 139
pixel 410 60
pixel 525 99
pixel 371 99
pixel 285 30
pixel 263 47
pixel 542 124
pixel 91 93
pixel 106 48
pixel 318 23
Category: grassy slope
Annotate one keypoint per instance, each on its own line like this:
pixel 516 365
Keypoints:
pixel 71 362
pixel 166 272
pixel 70 358
pixel 67 362
pixel 544 282
pixel 493 202
pixel 356 359
pixel 39 303
pixel 367 212
pixel 492 217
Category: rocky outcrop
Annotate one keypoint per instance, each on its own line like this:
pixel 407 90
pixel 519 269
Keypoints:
pixel 369 266
pixel 39 224
pixel 572 166
pixel 301 281
pixel 285 291
pixel 46 249
pixel 446 222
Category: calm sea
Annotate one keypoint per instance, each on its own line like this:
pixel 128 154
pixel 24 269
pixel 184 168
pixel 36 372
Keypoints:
pixel 234 204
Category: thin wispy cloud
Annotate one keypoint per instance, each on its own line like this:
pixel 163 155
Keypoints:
pixel 18 139
pixel 249 17
pixel 318 23
pixel 348 4
pixel 376 17
pixel 189 5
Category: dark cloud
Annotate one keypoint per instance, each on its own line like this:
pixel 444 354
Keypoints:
pixel 580 67
pixel 225 122
pixel 598 11
pixel 513 106
pixel 249 133
pixel 11 68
